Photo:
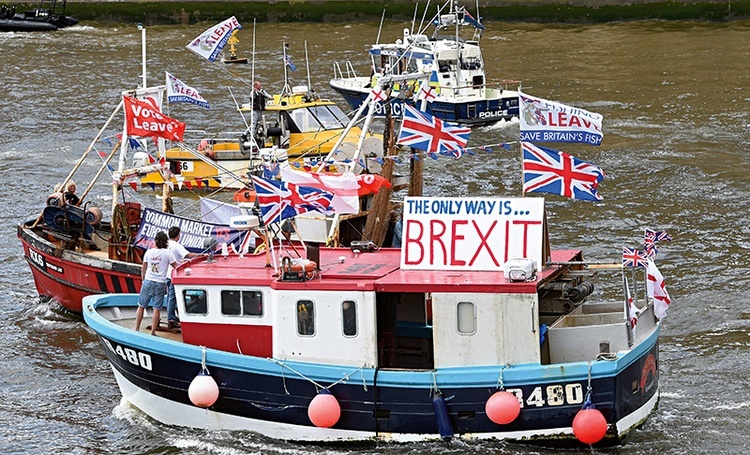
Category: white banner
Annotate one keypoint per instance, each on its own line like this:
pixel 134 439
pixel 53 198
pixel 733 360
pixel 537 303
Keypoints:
pixel 548 121
pixel 179 92
pixel 471 233
pixel 213 40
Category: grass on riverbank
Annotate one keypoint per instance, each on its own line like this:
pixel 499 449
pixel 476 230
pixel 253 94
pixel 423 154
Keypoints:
pixel 151 13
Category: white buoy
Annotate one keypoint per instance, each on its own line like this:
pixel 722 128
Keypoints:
pixel 203 391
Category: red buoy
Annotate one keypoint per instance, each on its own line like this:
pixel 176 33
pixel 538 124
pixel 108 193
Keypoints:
pixel 203 391
pixel 324 410
pixel 502 407
pixel 589 425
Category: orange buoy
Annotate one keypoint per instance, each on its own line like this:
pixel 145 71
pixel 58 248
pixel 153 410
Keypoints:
pixel 324 410
pixel 589 424
pixel 244 195
pixel 203 391
pixel 502 407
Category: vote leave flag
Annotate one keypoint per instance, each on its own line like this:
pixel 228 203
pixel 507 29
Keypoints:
pixel 210 43
pixel 344 187
pixel 657 289
pixel 144 118
pixel 548 121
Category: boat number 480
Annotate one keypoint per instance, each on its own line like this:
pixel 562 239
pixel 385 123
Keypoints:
pixel 551 395
pixel 138 359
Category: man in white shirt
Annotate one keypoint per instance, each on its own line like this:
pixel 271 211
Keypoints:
pixel 180 253
pixel 156 262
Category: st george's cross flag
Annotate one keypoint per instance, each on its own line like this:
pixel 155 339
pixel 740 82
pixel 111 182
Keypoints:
pixel 657 289
pixel 279 201
pixel 551 171
pixel 422 131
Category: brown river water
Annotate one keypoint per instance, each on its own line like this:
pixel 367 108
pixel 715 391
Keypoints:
pixel 676 103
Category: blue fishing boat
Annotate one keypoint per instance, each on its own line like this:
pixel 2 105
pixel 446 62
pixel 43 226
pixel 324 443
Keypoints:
pixel 475 329
pixel 444 70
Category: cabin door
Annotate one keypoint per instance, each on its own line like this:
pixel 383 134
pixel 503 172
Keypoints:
pixel 404 328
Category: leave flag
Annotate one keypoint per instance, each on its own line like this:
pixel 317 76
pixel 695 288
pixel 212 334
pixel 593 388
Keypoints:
pixel 144 118
pixel 422 131
pixel 210 43
pixel 657 289
pixel 279 201
pixel 551 171
pixel 634 258
pixel 548 121
pixel 179 92
pixel 344 187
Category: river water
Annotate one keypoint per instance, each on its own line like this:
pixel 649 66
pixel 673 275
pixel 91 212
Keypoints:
pixel 675 100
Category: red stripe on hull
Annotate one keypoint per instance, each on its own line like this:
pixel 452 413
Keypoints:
pixel 67 282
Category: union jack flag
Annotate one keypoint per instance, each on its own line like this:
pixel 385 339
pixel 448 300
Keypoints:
pixel 650 237
pixel 551 171
pixel 279 200
pixel 634 258
pixel 288 62
pixel 425 132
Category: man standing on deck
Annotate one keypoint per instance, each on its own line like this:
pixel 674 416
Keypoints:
pixel 180 253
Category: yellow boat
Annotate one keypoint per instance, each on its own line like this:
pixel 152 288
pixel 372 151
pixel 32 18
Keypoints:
pixel 297 126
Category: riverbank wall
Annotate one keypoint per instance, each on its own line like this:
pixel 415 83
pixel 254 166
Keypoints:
pixel 536 11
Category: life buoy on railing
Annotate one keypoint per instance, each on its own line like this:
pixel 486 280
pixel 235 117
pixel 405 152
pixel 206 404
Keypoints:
pixel 244 195
pixel 260 248
pixel 299 265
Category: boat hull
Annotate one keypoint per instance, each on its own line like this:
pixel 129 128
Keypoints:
pixel 68 276
pixel 473 111
pixel 271 396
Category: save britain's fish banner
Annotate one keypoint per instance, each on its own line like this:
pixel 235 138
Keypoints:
pixel 210 43
pixel 193 233
pixel 180 92
pixel 548 121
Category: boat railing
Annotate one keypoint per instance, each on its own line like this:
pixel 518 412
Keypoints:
pixel 339 74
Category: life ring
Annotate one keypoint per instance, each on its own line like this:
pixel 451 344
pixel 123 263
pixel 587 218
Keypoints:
pixel 260 248
pixel 299 265
pixel 244 195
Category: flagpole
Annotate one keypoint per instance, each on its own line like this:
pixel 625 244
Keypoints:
pixel 286 76
pixel 307 68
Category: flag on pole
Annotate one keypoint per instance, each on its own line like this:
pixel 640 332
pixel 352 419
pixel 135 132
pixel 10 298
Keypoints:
pixel 548 121
pixel 144 118
pixel 279 201
pixel 179 92
pixel 551 171
pixel 288 62
pixel 650 237
pixel 422 131
pixel 631 311
pixel 210 43
pixel 634 258
pixel 468 18
pixel 657 289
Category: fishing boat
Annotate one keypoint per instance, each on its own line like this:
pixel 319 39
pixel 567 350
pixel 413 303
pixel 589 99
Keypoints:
pixel 456 87
pixel 49 16
pixel 475 329
pixel 297 126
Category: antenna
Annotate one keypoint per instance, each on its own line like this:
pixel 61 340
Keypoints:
pixel 307 68
pixel 143 53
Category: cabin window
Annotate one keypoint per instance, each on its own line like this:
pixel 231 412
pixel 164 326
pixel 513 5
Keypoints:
pixel 305 317
pixel 349 317
pixel 242 303
pixel 196 301
pixel 466 318
pixel 328 119
pixel 305 121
